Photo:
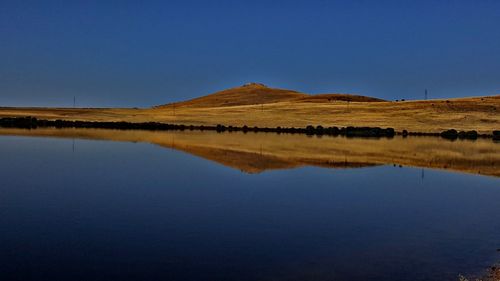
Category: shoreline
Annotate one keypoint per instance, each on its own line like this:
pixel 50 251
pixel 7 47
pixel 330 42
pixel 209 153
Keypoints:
pixel 29 122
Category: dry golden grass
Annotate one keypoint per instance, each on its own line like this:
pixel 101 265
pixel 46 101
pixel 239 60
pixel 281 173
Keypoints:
pixel 257 152
pixel 258 94
pixel 249 94
pixel 256 105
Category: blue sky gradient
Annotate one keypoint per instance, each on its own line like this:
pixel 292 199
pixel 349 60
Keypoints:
pixel 134 53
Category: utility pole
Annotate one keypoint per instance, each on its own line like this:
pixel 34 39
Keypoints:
pixel 426 94
pixel 74 101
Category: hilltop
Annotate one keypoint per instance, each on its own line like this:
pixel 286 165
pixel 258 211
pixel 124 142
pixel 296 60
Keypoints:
pixel 257 94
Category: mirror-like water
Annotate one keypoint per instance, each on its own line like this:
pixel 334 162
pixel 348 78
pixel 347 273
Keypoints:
pixel 72 208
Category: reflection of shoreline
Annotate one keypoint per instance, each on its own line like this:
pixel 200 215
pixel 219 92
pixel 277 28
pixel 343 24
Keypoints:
pixel 254 153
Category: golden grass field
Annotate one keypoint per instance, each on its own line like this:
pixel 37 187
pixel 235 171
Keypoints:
pixel 258 152
pixel 258 105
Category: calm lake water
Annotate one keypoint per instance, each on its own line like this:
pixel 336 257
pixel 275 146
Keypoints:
pixel 74 209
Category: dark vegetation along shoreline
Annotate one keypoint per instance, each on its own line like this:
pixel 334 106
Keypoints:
pixel 32 123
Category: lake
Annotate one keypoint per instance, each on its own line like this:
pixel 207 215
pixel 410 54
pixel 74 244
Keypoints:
pixel 90 204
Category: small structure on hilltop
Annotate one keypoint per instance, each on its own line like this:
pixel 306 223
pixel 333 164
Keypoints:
pixel 254 84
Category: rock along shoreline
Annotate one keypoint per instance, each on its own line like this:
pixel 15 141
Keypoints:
pixel 349 131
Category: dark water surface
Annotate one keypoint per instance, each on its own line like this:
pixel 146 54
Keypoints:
pixel 99 210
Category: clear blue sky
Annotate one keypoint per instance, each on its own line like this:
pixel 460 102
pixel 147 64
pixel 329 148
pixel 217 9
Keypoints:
pixel 142 53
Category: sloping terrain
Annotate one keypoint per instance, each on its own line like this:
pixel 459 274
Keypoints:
pixel 337 97
pixel 247 94
pixel 261 106
pixel 257 94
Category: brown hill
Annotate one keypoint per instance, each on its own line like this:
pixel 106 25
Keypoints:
pixel 296 109
pixel 338 97
pixel 255 94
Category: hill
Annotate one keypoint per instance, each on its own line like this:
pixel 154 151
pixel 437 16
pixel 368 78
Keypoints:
pixel 262 106
pixel 257 94
pixel 337 97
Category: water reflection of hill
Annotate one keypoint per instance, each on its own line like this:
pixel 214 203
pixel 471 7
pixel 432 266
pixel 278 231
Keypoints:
pixel 254 153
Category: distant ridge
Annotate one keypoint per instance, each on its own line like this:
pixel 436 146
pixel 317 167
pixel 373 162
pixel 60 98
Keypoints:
pixel 257 93
pixel 338 97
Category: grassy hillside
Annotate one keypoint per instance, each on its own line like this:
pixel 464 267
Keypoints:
pixel 245 95
pixel 258 94
pixel 257 105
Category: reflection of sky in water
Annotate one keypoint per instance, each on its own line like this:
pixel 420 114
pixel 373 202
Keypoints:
pixel 137 211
